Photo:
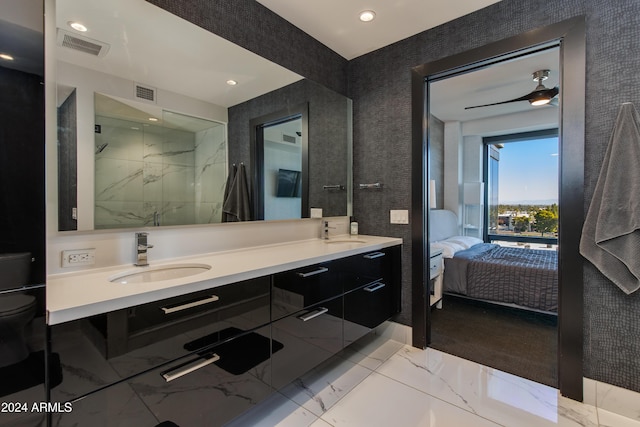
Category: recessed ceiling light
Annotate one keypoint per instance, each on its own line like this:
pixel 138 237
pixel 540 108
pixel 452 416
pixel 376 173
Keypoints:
pixel 153 119
pixel 6 57
pixel 232 82
pixel 367 15
pixel 77 26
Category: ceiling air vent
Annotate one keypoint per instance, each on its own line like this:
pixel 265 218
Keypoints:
pixel 144 93
pixel 81 43
pixel 291 139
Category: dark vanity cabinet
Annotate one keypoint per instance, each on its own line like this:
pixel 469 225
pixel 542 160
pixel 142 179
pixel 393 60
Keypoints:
pixel 325 307
pixel 125 330
pixel 373 293
pixel 307 309
pixel 203 358
pixel 209 346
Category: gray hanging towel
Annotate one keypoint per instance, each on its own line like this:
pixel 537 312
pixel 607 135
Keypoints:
pixel 611 231
pixel 237 205
pixel 227 188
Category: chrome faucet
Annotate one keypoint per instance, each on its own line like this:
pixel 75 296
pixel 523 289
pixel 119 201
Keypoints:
pixel 141 249
pixel 325 233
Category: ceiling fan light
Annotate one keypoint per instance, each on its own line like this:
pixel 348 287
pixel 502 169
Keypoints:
pixel 542 100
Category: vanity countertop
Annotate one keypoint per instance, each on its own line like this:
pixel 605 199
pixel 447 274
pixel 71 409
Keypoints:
pixel 72 296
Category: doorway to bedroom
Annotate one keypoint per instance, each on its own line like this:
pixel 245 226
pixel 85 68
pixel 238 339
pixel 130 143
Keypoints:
pixel 570 36
pixel 505 315
pixel 494 166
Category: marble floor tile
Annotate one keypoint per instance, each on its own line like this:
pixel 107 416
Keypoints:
pixel 325 385
pixel 381 401
pixel 371 351
pixel 275 411
pixel 618 400
pixel 320 423
pixel 611 419
pixel 489 393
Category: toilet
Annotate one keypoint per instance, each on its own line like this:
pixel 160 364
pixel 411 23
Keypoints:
pixel 17 309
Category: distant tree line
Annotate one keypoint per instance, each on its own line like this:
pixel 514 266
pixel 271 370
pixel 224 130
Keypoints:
pixel 546 217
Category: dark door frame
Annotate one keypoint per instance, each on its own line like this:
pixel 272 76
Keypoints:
pixel 570 36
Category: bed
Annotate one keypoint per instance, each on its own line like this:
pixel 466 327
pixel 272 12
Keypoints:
pixel 526 278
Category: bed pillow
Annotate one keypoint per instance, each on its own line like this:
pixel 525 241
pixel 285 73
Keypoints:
pixel 449 249
pixel 464 241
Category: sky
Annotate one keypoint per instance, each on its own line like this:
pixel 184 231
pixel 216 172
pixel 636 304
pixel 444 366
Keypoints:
pixel 529 172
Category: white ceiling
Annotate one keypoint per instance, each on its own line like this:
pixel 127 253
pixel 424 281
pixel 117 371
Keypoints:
pixel 175 55
pixel 170 54
pixel 500 82
pixel 335 22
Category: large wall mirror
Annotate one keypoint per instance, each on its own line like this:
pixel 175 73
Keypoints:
pixel 155 114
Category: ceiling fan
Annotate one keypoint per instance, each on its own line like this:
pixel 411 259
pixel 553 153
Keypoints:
pixel 541 95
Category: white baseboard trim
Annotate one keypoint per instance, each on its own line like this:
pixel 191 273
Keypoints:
pixel 395 331
pixel 612 398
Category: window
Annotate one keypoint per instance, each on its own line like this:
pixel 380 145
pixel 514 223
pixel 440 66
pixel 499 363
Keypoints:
pixel 522 189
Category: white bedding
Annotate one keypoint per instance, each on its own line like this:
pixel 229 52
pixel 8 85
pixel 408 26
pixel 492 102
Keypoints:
pixel 455 244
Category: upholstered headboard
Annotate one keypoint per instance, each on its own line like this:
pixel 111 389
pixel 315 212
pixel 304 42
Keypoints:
pixel 442 224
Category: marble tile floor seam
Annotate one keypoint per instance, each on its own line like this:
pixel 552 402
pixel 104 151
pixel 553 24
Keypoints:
pixel 380 382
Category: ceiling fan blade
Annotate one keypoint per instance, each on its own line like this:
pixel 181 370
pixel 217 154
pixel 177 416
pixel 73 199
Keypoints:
pixel 522 98
pixel 549 92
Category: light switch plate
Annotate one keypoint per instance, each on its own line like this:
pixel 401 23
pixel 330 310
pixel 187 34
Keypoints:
pixel 76 257
pixel 399 216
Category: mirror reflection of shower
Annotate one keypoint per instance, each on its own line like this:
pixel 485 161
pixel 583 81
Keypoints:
pixel 172 167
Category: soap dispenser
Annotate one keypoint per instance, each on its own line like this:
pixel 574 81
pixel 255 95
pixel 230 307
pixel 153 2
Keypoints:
pixel 354 226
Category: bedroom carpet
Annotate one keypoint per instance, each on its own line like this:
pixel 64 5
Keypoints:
pixel 520 342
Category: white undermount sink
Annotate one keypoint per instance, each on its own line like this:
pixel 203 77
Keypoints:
pixel 159 273
pixel 345 240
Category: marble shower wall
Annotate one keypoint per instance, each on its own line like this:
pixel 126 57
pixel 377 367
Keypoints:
pixel 148 171
pixel 211 174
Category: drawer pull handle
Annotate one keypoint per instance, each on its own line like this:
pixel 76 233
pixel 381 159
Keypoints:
pixel 374 287
pixel 314 272
pixel 374 255
pixel 319 312
pixel 189 367
pixel 169 310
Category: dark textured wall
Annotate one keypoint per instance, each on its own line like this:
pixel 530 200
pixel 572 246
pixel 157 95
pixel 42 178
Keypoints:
pixel 380 86
pixel 67 163
pixel 22 199
pixel 249 24
pixel 436 157
pixel 328 137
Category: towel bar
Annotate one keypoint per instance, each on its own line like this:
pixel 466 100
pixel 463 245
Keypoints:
pixel 369 186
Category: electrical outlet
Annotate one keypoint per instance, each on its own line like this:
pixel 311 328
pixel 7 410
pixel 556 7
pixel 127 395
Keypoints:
pixel 77 257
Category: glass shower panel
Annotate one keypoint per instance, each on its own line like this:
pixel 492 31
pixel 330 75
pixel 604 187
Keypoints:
pixel 167 172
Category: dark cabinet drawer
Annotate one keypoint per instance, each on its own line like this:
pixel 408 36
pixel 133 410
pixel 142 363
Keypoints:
pixel 301 288
pixel 208 388
pixel 136 327
pixel 101 350
pixel 367 307
pixel 367 268
pixel 305 339
pixel 184 307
